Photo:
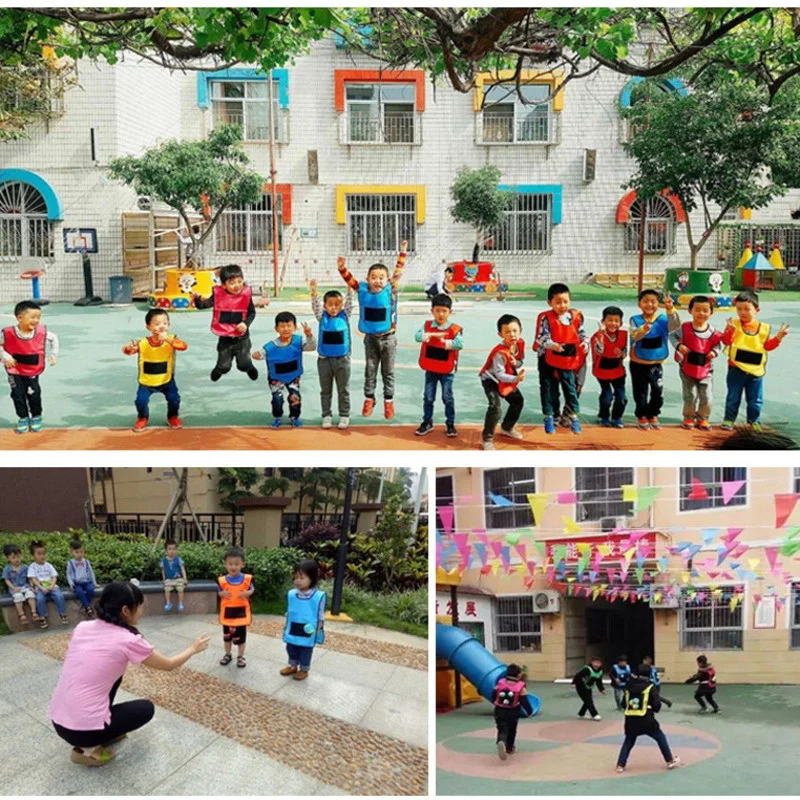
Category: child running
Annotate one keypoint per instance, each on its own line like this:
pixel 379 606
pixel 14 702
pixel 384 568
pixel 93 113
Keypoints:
pixel 156 368
pixel 235 591
pixel 81 578
pixel 509 697
pixel 620 674
pixel 22 351
pixel 441 341
pixel 377 320
pixel 15 577
pixel 284 357
pixel 43 579
pixel 305 619
pixel 747 341
pixel 705 678
pixel 173 574
pixel 649 337
pixel 655 679
pixel 582 680
pixel 333 351
pixel 697 345
pixel 500 377
pixel 609 347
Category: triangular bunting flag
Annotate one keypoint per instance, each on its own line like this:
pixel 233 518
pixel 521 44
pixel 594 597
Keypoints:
pixel 480 549
pixel 647 496
pixel 570 526
pixel 538 503
pixel 629 493
pixel 698 491
pixel 567 498
pixel 512 538
pixel 784 505
pixel 729 489
pixel 446 515
pixel 709 534
pixel 499 500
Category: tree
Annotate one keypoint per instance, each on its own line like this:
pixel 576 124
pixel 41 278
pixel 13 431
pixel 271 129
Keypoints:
pixel 235 482
pixel 715 146
pixel 392 538
pixel 181 174
pixel 277 484
pixel 478 202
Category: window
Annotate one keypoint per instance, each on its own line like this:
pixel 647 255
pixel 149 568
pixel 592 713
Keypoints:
pixel 246 103
pixel 380 113
pixel 659 234
pixel 517 628
pixel 508 118
pixel 25 230
pixel 526 228
pixel 796 480
pixel 444 495
pixel 249 230
pixel 712 479
pixel 514 485
pixel 378 223
pixel 600 493
pixel 710 624
pixel 794 619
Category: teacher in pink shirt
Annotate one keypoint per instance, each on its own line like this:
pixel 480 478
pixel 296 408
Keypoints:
pixel 82 709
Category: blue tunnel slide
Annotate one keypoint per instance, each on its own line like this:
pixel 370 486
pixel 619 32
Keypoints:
pixel 466 655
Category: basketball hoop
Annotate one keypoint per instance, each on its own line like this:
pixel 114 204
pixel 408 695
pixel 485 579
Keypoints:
pixel 30 274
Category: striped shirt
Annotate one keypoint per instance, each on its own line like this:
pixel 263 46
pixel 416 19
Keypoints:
pixel 354 283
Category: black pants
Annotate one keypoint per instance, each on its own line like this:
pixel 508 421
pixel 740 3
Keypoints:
pixel 612 390
pixel 506 721
pixel 515 402
pixel 230 347
pixel 236 634
pixel 588 703
pixel 125 717
pixel 27 395
pixel 648 389
pixel 702 694
pixel 550 379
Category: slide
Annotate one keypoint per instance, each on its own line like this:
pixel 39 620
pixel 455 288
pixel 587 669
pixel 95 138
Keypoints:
pixel 465 654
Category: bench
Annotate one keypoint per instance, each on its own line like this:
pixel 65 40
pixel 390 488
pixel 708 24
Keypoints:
pixel 200 598
pixel 628 280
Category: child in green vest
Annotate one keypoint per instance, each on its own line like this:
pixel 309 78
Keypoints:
pixel 591 673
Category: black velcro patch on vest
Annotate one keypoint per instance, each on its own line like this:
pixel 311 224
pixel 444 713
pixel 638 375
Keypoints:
pixel 26 358
pixel 235 612
pixel 333 337
pixel 231 317
pixel 285 367
pixel 697 359
pixel 436 353
pixel 569 350
pixel 650 342
pixel 609 363
pixel 748 357
pixel 298 629
pixel 374 314
pixel 155 367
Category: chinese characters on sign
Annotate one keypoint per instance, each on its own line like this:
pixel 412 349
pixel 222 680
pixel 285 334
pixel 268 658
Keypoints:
pixel 466 609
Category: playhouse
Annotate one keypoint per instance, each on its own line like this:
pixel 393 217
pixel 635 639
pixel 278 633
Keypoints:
pixel 180 285
pixel 479 277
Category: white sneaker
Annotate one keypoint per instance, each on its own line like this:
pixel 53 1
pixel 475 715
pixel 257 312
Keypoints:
pixel 674 763
pixel 344 423
pixel 514 433
pixel 501 751
pixel 487 444
pixel 597 718
pixel 327 422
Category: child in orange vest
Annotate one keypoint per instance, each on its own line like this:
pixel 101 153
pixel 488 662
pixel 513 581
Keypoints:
pixel 609 347
pixel 441 341
pixel 235 591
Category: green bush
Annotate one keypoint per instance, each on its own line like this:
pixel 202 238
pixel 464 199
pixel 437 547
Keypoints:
pixel 410 607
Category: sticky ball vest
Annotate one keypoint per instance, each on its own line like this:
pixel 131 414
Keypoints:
pixel 156 362
pixel 567 336
pixel 229 310
pixel 747 350
pixel 607 366
pixel 652 347
pixel 375 310
pixel 508 693
pixel 710 680
pixel 334 335
pixel 697 363
pixel 28 353
pixel 506 388
pixel 234 611
pixel 594 674
pixel 636 704
pixel 302 616
pixel 433 356
pixel 285 364
pixel 621 674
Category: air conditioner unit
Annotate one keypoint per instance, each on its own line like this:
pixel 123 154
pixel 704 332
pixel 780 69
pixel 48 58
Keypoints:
pixel 609 524
pixel 589 165
pixel 547 602
pixel 665 602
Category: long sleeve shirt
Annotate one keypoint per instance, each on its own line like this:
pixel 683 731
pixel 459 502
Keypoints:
pixel 208 302
pixel 51 338
pixel 598 345
pixel 354 283
pixel 497 370
pixel 456 343
pixel 676 338
pixel 317 306
pixel 309 344
pixel 751 327
pixel 174 342
pixel 544 339
pixel 664 325
pixel 80 572
pixel 583 677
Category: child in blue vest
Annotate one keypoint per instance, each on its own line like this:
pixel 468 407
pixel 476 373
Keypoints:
pixel 655 678
pixel 284 357
pixel 509 696
pixel 305 619
pixel 333 351
pixel 620 674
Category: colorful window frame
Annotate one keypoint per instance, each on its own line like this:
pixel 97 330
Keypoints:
pixel 670 84
pixel 553 189
pixel 342 190
pixel 55 210
pixel 343 76
pixel 204 78
pixel 552 77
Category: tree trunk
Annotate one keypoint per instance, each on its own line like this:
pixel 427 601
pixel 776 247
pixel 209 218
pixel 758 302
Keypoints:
pixel 476 252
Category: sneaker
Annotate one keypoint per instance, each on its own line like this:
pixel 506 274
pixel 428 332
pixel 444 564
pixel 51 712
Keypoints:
pixel 643 424
pixel 514 433
pixel 296 422
pixel 487 444
pixel 168 607
pixel 450 429
pixel 511 750
pixel 717 711
pixel 597 718
pixel 180 607
pixel 327 422
pixel 388 409
pixel 654 423
pixel 604 423
pixel 727 425
pixel 43 624
pixel 687 424
pixel 36 424
pixel 252 373
pixel 276 423
pixel 425 427
pixel 620 769
pixel 502 753
pixel 344 423
pixel 754 426
pixel 618 423
pixel 575 425
pixel 23 425
pixel 703 710
pixel 174 423
pixel 369 404
pixel 674 763
pixel 140 424
pixel 64 619
pixel 703 425
pixel 549 425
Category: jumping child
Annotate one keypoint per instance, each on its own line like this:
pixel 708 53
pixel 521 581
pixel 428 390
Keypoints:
pixel 43 579
pixel 22 351
pixel 305 619
pixel 582 680
pixel 509 696
pixel 620 674
pixel 235 591
pixel 705 677
pixel 15 577
pixel 609 347
pixel 80 577
pixel 173 574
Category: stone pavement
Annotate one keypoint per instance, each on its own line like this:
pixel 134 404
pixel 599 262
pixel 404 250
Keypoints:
pixel 357 725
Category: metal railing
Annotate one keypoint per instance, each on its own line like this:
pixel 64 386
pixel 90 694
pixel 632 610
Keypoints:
pixel 226 528
pixel 499 128
pixel 390 128
pixel 253 130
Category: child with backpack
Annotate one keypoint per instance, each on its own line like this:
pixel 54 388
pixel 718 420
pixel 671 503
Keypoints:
pixel 510 697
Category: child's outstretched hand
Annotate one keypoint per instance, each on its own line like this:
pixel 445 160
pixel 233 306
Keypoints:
pixel 668 304
pixel 712 353
pixel 307 330
pixel 200 643
pixel 313 284
pixel 225 593
pixel 258 355
pixel 403 246
pixel 242 327
pixel 260 302
pixel 340 263
pixel 557 348
pixel 53 361
pixel 784 329
pixel 729 326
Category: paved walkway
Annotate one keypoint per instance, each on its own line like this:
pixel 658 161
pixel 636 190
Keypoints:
pixel 357 725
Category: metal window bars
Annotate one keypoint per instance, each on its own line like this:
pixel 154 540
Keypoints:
pixel 659 234
pixel 388 127
pixel 249 230
pixel 710 624
pixel 499 125
pixel 600 492
pixel 794 612
pixel 25 230
pixel 378 223
pixel 526 228
pixel 517 628
pixel 712 479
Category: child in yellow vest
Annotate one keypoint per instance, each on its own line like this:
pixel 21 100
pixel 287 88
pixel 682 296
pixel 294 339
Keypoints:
pixel 747 341
pixel 156 368
pixel 235 591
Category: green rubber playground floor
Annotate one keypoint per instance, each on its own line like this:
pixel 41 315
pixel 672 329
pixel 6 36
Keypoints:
pixel 94 384
pixel 749 749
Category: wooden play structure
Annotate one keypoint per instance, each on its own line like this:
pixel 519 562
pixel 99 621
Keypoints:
pixel 179 287
pixel 476 277
pixel 628 280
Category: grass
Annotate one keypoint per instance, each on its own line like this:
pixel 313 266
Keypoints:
pixel 4 629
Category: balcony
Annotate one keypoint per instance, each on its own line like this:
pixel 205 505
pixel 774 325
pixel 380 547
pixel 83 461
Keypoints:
pixel 495 128
pixel 254 129
pixel 403 128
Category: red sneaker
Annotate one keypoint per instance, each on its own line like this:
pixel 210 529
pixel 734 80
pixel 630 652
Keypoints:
pixel 174 423
pixel 388 409
pixel 140 425
pixel 369 404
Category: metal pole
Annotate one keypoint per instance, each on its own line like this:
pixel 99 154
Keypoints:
pixel 341 559
pixel 642 223
pixel 421 488
pixel 380 488
pixel 272 186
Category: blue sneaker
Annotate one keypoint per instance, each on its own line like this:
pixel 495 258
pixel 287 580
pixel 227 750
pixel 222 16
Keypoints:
pixel 276 423
pixel 36 424
pixel 296 423
pixel 180 607
pixel 549 425
pixel 168 607
pixel 575 424
pixel 605 423
pixel 618 423
pixel 22 425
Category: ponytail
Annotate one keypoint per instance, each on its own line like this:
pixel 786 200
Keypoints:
pixel 113 598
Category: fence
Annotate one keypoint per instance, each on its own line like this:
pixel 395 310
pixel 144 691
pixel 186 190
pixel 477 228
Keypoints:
pixel 226 528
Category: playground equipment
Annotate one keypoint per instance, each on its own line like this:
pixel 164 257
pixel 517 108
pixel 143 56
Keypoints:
pixel 476 277
pixel 758 273
pixel 446 695
pixel 89 297
pixel 181 284
pixel 683 284
pixel 33 270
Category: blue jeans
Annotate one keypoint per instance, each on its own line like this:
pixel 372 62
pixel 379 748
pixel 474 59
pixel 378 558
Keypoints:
pixel 432 379
pixel 739 381
pixel 630 741
pixel 54 595
pixel 550 379
pixel 299 656
pixel 170 392
pixel 612 390
pixel 84 591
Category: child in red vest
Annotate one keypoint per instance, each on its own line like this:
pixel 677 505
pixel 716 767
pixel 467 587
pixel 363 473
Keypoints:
pixel 509 697
pixel 560 334
pixel 609 347
pixel 441 341
pixel 500 377
pixel 22 351
pixel 697 344
pixel 705 677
